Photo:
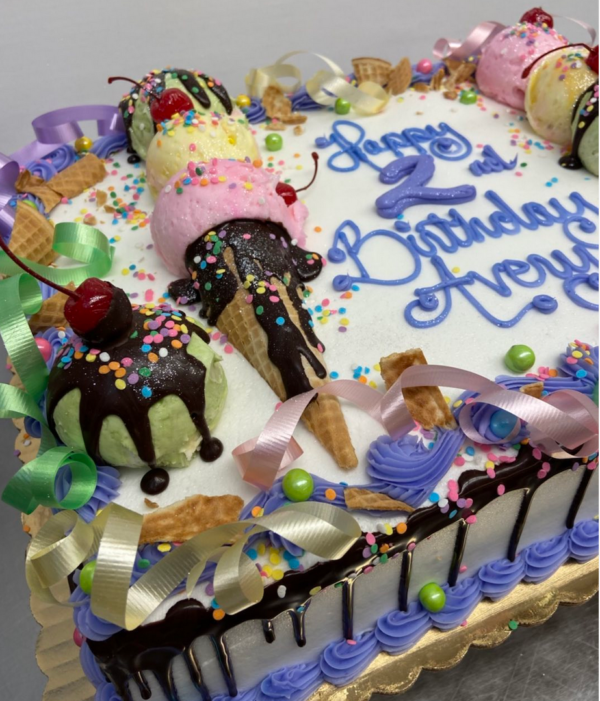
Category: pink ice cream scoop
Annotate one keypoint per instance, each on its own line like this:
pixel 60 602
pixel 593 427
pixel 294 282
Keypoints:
pixel 503 59
pixel 205 195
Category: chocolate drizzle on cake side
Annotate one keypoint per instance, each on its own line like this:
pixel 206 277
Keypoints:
pixel 189 79
pixel 252 255
pixel 151 648
pixel 127 378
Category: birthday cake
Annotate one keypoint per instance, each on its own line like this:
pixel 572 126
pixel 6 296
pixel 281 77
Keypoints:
pixel 398 267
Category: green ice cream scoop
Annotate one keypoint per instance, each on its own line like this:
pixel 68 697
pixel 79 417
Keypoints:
pixel 150 401
pixel 584 129
pixel 206 94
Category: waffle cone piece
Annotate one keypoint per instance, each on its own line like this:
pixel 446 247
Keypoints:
pixel 52 312
pixel 32 235
pixel 323 416
pixel 374 70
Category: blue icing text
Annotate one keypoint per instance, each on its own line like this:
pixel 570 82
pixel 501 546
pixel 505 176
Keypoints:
pixel 353 149
pixel 491 163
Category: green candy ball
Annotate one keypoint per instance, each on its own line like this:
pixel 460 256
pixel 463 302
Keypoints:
pixel 298 485
pixel 273 142
pixel 595 394
pixel 87 577
pixel 432 597
pixel 342 106
pixel 519 358
pixel 468 97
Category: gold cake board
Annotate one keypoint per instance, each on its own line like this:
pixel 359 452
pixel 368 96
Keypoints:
pixel 528 604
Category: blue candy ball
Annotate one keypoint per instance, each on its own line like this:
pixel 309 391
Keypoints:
pixel 502 423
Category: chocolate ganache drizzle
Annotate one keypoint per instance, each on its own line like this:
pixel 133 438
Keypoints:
pixel 584 115
pixel 130 375
pixel 252 255
pixel 156 82
pixel 126 655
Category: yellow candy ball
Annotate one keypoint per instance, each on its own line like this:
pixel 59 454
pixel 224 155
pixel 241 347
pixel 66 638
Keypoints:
pixel 83 143
pixel 242 101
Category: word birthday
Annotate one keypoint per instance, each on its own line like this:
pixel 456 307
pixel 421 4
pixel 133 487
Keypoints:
pixel 354 149
pixel 435 235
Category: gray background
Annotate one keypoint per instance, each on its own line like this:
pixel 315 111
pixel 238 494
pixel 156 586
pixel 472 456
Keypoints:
pixel 59 53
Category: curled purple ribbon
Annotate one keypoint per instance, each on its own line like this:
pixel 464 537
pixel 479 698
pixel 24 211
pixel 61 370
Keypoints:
pixel 563 421
pixel 9 172
pixel 53 129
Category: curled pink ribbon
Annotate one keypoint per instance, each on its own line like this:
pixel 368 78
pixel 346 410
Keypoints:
pixel 563 421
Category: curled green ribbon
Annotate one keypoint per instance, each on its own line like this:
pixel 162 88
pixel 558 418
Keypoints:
pixel 79 242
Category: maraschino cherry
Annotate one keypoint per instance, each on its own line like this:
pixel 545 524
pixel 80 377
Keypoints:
pixel 592 59
pixel 165 104
pixel 288 193
pixel 97 311
pixel 538 16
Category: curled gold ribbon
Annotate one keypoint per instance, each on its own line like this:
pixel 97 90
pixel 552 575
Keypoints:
pixel 322 529
pixel 325 87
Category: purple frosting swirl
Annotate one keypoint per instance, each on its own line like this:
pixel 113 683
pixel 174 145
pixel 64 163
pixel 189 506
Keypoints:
pixel 418 77
pixel 460 601
pixel 255 113
pixel 583 540
pixel 107 692
pixel 398 631
pixel 90 666
pixel 249 695
pixel 107 490
pixel 42 169
pixel 109 144
pixel 581 365
pixel 88 624
pixel 26 197
pixel 303 102
pixel 543 559
pixel 62 157
pixel 342 661
pixel 408 468
pixel 290 683
pixel 482 414
pixel 500 577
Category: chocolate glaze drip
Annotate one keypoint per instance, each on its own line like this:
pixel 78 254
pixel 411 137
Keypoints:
pixel 586 119
pixel 180 374
pixel 155 481
pixel 298 617
pixel 195 673
pixel 348 607
pixel 121 657
pixel 459 551
pixel 269 631
pixel 189 79
pixel 261 253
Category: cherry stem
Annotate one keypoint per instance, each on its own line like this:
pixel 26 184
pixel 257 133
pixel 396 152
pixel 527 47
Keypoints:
pixel 139 85
pixel 27 269
pixel 315 157
pixel 527 71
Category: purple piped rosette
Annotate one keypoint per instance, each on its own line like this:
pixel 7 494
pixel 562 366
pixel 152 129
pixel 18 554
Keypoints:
pixel 90 667
pixel 461 599
pixel 105 146
pixel 62 157
pixel 303 102
pixel 408 469
pixel 398 631
pixel 255 113
pixel 583 540
pixel 42 168
pixel 543 559
pixel 500 577
pixel 481 416
pixel 344 660
pixel 107 490
pixel 290 683
pixel 419 77
pixel 87 623
pixel 106 692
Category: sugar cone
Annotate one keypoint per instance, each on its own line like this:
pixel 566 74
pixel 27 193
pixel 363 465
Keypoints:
pixel 78 177
pixel 375 70
pixel 32 235
pixel 52 312
pixel 324 415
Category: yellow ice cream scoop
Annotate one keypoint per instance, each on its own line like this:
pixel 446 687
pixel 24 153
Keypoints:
pixel 554 87
pixel 197 136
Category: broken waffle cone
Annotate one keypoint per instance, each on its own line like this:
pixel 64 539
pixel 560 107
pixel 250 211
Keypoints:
pixel 323 416
pixel 426 404
pixel 366 500
pixel 400 77
pixel 32 235
pixel 52 312
pixel 374 70
pixel 84 173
